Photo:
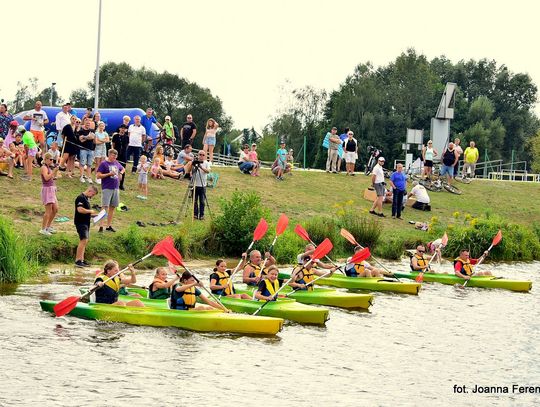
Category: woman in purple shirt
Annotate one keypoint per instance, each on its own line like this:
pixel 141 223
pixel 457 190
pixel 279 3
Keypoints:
pixel 398 180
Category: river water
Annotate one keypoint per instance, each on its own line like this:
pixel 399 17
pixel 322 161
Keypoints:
pixel 407 350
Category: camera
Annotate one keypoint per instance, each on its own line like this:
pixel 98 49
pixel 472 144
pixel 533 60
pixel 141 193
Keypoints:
pixel 197 161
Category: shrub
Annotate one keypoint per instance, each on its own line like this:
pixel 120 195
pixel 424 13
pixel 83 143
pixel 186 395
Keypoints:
pixel 366 231
pixel 390 249
pixel 288 246
pixel 15 264
pixel 132 241
pixel 322 227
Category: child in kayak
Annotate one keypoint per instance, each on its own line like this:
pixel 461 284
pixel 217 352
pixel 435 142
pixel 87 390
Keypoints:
pixel 362 269
pixel 160 288
pixel 267 288
pixel 219 280
pixel 306 273
pixel 308 251
pixel 463 265
pixel 108 289
pixel 184 295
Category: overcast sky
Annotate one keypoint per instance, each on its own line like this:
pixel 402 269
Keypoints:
pixel 246 51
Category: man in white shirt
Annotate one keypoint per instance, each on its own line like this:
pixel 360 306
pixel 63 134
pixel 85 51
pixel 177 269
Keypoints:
pixel 137 136
pixel 38 119
pixel 422 197
pixel 377 180
pixel 62 118
pixel 199 173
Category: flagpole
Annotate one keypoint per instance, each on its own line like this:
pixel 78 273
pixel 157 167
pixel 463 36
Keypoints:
pixel 96 79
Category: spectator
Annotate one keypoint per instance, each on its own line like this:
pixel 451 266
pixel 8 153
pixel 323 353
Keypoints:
pixel 253 157
pixel 290 161
pixel 55 153
pixel 6 157
pixel 61 120
pixel 10 136
pixel 71 148
pixel 209 139
pixel 19 151
pixel 125 121
pixel 137 135
pixel 281 157
pixel 161 162
pixel 38 119
pixel 120 142
pixel 333 145
pixel 147 121
pixel 185 159
pixel 428 153
pixel 471 156
pixel 108 171
pixel 188 131
pixel 96 118
pixel 459 151
pixel 5 119
pixel 81 220
pixel 422 197
pixel 199 173
pixel 30 151
pixel 100 152
pixel 450 158
pixel 156 171
pixel 86 152
pixel 48 194
pixel 169 130
pixel 350 146
pixel 343 136
pixel 244 163
pixel 398 180
pixel 142 170
pixel 377 180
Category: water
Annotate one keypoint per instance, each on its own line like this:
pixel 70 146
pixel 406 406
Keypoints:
pixel 408 350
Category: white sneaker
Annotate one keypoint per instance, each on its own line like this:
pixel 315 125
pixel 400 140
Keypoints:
pixel 98 181
pixel 89 180
pixel 51 230
pixel 82 179
pixel 45 232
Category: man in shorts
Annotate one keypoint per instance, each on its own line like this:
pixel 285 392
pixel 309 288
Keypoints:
pixel 82 218
pixel 110 171
pixel 38 119
pixel 377 180
pixel 450 158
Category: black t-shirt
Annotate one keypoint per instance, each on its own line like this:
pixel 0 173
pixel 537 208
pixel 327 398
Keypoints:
pixel 88 144
pixel 82 218
pixel 188 129
pixel 350 146
pixel 69 135
pixel 120 143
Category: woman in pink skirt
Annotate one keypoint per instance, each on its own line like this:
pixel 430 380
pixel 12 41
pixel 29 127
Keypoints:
pixel 48 194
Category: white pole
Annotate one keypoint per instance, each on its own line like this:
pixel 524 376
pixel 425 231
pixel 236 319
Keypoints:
pixel 96 80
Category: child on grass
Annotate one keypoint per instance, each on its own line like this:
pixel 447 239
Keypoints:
pixel 142 170
pixel 255 160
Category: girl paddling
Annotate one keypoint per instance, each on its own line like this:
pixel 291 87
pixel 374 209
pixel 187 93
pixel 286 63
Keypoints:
pixel 184 295
pixel 160 288
pixel 108 291
pixel 267 288
pixel 219 280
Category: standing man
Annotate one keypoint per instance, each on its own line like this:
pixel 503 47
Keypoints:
pixel 108 172
pixel 471 156
pixel 38 119
pixel 86 152
pixel 83 213
pixel 450 158
pixel 120 141
pixel 147 122
pixel 343 136
pixel 5 120
pixel 459 151
pixel 137 135
pixel 199 172
pixel 377 180
pixel 188 131
pixel 61 120
pixel 333 145
pixel 398 180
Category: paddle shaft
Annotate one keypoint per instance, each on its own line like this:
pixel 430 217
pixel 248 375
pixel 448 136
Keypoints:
pixel 277 292
pixel 480 261
pixel 207 290
pixel 328 258
pixel 310 283
pixel 378 262
pixel 238 265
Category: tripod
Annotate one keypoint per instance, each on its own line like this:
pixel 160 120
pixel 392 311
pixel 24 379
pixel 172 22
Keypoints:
pixel 189 196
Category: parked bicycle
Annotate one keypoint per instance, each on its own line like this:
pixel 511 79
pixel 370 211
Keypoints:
pixel 436 184
pixel 374 154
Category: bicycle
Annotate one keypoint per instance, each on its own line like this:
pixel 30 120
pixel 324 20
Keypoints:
pixel 374 154
pixel 437 184
pixel 168 149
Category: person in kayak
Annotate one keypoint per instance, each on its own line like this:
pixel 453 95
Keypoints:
pixel 306 273
pixel 160 288
pixel 109 288
pixel 184 295
pixel 219 280
pixel 463 265
pixel 362 269
pixel 252 270
pixel 308 251
pixel 420 260
pixel 267 288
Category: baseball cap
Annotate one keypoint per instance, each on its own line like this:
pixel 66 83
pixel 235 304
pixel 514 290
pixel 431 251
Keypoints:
pixel 14 123
pixel 381 159
pixel 20 129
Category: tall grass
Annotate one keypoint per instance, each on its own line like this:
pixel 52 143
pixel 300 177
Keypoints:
pixel 366 231
pixel 15 264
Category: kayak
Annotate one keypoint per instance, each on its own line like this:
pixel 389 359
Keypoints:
pixel 283 308
pixel 324 296
pixel 366 283
pixel 200 321
pixel 477 281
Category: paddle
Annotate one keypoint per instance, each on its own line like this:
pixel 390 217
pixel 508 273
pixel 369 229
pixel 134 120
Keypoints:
pixel 300 231
pixel 65 306
pixel 348 236
pixel 420 277
pixel 175 258
pixel 282 224
pixel 320 251
pixel 258 234
pixel 496 240
pixel 357 258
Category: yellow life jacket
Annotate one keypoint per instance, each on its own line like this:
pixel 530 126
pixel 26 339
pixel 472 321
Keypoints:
pixel 189 297
pixel 113 283
pixel 307 277
pixel 360 268
pixel 256 270
pixel 271 288
pixel 466 266
pixel 421 261
pixel 223 279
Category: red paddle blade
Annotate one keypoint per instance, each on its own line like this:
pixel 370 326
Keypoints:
pixel 444 239
pixel 419 278
pixel 166 248
pixel 260 230
pixel 282 223
pixel 497 238
pixel 300 231
pixel 361 255
pixel 322 250
pixel 348 236
pixel 65 306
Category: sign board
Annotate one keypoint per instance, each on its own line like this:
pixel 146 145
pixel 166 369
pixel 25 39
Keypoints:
pixel 415 136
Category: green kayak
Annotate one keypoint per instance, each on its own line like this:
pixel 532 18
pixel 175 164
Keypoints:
pixel 477 281
pixel 324 296
pixel 201 321
pixel 283 308
pixel 366 283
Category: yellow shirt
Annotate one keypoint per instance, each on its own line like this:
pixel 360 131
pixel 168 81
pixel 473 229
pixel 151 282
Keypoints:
pixel 471 155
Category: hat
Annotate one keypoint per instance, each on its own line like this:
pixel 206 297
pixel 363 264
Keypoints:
pixel 20 129
pixel 167 117
pixel 14 123
pixel 381 159
pixel 415 183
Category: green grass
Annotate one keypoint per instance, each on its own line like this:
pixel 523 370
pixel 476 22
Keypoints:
pixel 302 196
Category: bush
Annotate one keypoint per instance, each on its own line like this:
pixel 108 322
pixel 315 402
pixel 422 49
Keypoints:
pixel 366 231
pixel 320 228
pixel 133 242
pixel 288 246
pixel 58 248
pixel 15 263
pixel 390 249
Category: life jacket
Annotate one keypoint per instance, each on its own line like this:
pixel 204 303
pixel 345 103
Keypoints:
pixel 270 288
pixel 307 276
pixel 449 157
pixel 256 271
pixel 421 261
pixel 223 279
pixel 356 270
pixel 107 294
pixel 466 267
pixel 160 293
pixel 183 300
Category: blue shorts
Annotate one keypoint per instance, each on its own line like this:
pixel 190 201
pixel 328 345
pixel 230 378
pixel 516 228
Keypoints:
pixel 210 141
pixel 86 157
pixel 447 170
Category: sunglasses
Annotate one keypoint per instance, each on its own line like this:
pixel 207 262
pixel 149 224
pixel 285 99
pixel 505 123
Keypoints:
pixel 421 251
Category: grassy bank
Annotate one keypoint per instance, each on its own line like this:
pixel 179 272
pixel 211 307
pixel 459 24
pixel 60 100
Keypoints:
pixel 307 196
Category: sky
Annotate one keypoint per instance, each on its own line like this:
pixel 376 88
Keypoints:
pixel 248 52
